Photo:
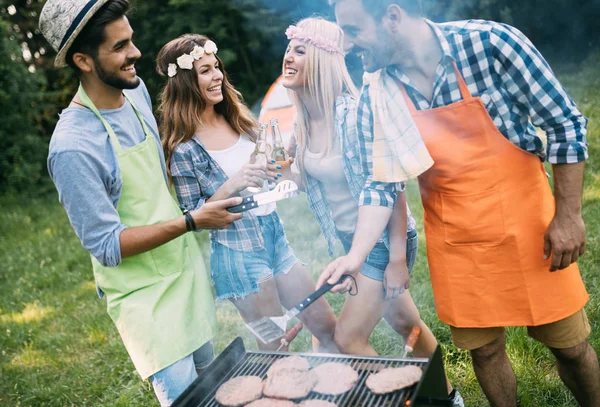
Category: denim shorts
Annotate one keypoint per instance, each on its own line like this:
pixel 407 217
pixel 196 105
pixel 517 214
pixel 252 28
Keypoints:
pixel 378 259
pixel 170 382
pixel 237 274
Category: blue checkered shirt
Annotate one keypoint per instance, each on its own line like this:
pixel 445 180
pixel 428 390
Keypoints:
pixel 515 83
pixel 347 133
pixel 196 177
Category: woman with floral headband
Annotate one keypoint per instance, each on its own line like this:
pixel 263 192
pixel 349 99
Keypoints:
pixel 329 159
pixel 208 136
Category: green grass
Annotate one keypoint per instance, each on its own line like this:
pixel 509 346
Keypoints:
pixel 58 346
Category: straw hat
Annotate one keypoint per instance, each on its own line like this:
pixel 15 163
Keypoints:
pixel 61 21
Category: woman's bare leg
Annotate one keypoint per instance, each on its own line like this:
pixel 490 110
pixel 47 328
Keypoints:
pixel 402 315
pixel 359 316
pixel 264 303
pixel 319 318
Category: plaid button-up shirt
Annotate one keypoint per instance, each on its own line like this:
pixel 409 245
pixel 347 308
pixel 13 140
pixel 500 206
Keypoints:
pixel 519 90
pixel 364 191
pixel 196 177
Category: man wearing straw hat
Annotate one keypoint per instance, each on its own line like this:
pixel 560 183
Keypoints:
pixel 107 164
pixel 455 104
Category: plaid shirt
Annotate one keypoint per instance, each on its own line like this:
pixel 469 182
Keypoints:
pixel 514 82
pixel 346 131
pixel 196 177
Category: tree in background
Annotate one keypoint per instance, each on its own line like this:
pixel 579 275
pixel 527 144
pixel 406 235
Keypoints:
pixel 250 38
pixel 564 30
pixel 23 152
pixel 251 41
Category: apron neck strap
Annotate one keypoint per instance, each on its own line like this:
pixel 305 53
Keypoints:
pixel 87 102
pixel 462 85
pixel 409 101
pixel 464 89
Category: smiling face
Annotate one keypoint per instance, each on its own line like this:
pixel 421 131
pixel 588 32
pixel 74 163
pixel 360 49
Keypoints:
pixel 294 62
pixel 114 63
pixel 364 35
pixel 210 79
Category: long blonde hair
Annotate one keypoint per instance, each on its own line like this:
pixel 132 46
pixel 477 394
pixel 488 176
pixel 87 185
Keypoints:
pixel 327 78
pixel 181 102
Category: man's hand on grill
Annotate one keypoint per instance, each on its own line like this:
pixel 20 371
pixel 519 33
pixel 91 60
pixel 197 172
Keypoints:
pixel 333 272
pixel 395 279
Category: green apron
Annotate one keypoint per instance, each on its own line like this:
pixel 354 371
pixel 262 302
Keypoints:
pixel 160 300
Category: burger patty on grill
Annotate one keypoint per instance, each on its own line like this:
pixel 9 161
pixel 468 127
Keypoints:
pixel 391 379
pixel 334 378
pixel 289 384
pixel 271 403
pixel 239 391
pixel 291 362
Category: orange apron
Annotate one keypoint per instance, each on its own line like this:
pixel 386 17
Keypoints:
pixel 487 205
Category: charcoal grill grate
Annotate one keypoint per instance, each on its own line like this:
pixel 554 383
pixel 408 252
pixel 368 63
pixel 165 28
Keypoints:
pixel 236 361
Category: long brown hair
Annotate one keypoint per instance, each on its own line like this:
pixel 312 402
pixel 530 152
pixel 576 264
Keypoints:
pixel 181 102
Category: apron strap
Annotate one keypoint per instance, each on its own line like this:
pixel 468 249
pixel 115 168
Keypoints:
pixel 87 102
pixel 138 114
pixel 462 85
pixel 409 101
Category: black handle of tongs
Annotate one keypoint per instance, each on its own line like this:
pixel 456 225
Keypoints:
pixel 247 203
pixel 317 294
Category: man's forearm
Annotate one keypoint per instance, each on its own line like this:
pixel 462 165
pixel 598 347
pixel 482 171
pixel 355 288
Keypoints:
pixel 568 188
pixel 144 238
pixel 372 221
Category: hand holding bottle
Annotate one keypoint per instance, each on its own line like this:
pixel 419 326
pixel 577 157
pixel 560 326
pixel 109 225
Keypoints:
pixel 253 175
pixel 279 153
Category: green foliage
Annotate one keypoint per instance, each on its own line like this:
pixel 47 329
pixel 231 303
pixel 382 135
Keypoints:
pixel 562 29
pixel 250 37
pixel 23 153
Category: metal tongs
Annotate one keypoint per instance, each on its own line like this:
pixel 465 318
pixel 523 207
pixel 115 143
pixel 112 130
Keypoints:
pixel 268 329
pixel 283 190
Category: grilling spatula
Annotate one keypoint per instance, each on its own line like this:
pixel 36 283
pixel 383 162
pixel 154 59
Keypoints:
pixel 268 329
pixel 283 190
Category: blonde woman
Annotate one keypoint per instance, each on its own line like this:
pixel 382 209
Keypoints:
pixel 328 155
pixel 208 136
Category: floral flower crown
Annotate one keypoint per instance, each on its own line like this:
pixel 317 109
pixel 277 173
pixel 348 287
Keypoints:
pixel 186 61
pixel 299 34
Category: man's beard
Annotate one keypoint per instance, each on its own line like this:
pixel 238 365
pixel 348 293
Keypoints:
pixel 113 79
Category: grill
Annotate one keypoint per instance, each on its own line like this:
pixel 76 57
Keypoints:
pixel 237 361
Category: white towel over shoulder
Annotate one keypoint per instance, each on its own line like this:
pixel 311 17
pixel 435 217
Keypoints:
pixel 399 152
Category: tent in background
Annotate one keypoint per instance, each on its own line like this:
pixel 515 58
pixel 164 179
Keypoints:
pixel 277 104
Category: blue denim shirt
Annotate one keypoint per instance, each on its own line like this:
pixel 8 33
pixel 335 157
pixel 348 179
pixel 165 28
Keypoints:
pixel 363 190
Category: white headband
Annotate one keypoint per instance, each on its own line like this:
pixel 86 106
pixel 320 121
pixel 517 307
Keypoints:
pixel 186 61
